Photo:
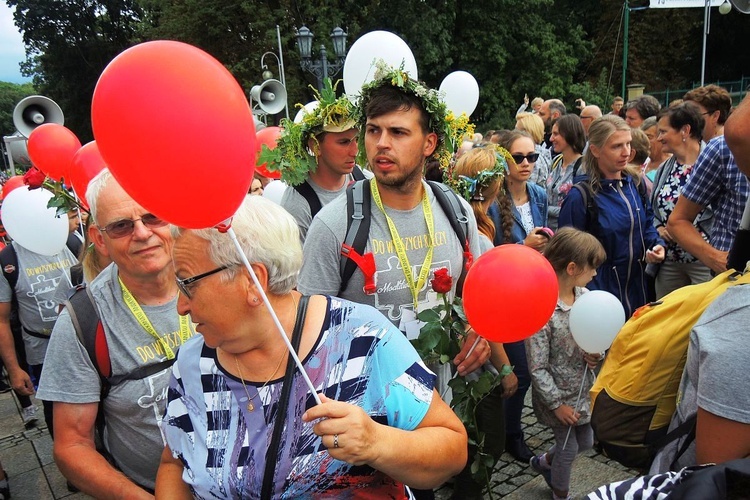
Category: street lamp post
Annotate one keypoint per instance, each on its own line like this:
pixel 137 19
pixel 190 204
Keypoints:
pixel 321 68
pixel 724 9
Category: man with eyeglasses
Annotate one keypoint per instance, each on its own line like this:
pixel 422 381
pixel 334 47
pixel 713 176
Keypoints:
pixel 588 115
pixel 136 301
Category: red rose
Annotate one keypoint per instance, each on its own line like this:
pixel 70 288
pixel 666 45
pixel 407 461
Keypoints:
pixel 442 281
pixel 34 178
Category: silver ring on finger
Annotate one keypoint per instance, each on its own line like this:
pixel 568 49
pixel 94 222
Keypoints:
pixel 335 440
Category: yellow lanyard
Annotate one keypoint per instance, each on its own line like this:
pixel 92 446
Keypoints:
pixel 399 244
pixel 143 320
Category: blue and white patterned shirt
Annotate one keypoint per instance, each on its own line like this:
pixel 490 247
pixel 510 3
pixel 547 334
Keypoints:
pixel 359 358
pixel 717 182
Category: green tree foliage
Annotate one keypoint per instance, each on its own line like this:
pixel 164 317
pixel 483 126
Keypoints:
pixel 68 44
pixel 10 95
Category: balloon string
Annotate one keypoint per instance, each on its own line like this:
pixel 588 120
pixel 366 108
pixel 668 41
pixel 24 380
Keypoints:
pixel 578 400
pixel 471 349
pixel 275 318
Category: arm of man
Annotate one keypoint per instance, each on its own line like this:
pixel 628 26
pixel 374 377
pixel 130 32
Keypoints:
pixel 718 439
pixel 680 227
pixel 76 456
pixel 320 263
pixel 19 379
pixel 423 458
pixel 737 134
pixel 169 483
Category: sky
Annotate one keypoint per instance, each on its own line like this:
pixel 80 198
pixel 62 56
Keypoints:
pixel 11 48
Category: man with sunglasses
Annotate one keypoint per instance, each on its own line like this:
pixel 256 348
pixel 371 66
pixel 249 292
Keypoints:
pixel 136 301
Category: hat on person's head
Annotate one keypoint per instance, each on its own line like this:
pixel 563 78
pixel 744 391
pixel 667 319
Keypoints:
pixel 292 155
pixel 449 129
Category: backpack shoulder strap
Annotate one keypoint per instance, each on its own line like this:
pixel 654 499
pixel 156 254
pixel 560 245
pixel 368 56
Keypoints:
pixel 74 244
pixel 90 331
pixel 456 214
pixel 309 194
pixel 357 173
pixel 592 211
pixel 357 231
pixel 9 263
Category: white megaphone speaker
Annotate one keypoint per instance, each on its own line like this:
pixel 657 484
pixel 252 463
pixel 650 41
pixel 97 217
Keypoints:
pixel 270 96
pixel 36 110
pixel 741 5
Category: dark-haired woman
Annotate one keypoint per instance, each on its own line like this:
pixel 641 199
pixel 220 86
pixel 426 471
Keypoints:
pixel 568 140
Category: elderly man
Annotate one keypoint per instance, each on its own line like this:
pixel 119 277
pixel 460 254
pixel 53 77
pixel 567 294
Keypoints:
pixel 317 157
pixel 135 299
pixel 588 115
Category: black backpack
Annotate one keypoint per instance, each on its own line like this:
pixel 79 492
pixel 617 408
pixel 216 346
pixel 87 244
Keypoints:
pixel 308 193
pixel 358 230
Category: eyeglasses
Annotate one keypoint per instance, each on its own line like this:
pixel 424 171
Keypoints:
pixel 531 157
pixel 586 117
pixel 184 285
pixel 125 227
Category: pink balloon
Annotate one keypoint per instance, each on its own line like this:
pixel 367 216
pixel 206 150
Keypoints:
pixel 51 148
pixel 177 132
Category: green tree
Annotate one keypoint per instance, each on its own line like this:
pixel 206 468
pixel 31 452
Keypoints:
pixel 10 95
pixel 68 45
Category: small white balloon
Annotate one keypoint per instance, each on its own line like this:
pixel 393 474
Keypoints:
pixel 461 92
pixel 359 66
pixel 31 224
pixel 595 319
pixel 306 110
pixel 274 191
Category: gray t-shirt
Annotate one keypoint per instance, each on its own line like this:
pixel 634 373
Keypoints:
pixel 39 276
pixel 297 205
pixel 134 408
pixel 716 376
pixel 320 268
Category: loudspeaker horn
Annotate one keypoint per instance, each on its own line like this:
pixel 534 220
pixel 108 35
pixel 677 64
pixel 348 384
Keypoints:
pixel 18 151
pixel 270 96
pixel 36 110
pixel 741 5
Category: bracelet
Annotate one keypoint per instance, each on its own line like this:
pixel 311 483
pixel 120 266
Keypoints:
pixel 506 370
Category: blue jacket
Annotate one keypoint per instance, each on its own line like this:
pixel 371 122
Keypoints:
pixel 626 232
pixel 538 202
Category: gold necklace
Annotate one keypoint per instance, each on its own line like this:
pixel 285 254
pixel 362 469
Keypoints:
pixel 250 405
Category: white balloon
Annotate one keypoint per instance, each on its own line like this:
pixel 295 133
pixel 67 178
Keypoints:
pixel 274 191
pixel 31 224
pixel 461 92
pixel 595 319
pixel 306 109
pixel 359 67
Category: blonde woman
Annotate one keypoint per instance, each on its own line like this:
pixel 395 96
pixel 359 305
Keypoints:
pixel 534 126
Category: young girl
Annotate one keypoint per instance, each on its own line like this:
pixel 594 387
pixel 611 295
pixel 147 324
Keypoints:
pixel 556 363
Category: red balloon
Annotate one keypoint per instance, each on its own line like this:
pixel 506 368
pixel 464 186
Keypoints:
pixel 86 163
pixel 268 136
pixel 51 148
pixel 510 293
pixel 177 132
pixel 11 184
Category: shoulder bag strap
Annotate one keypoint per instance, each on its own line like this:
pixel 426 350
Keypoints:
pixel 273 449
pixel 307 192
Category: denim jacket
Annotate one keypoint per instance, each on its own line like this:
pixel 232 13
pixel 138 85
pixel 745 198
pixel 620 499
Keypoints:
pixel 538 202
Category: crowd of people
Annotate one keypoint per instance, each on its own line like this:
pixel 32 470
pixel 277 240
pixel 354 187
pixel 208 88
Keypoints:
pixel 177 381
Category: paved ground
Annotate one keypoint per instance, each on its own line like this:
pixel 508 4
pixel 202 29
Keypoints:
pixel 27 457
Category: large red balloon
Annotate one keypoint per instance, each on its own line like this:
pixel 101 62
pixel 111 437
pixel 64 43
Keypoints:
pixel 177 132
pixel 51 148
pixel 510 293
pixel 12 183
pixel 268 136
pixel 86 163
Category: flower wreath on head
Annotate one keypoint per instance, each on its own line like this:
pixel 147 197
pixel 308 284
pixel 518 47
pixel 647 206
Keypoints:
pixel 431 100
pixel 471 187
pixel 292 156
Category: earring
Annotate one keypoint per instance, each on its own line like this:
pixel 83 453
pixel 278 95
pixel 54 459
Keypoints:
pixel 255 300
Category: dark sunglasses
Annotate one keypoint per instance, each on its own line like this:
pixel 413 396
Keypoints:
pixel 125 227
pixel 184 285
pixel 532 157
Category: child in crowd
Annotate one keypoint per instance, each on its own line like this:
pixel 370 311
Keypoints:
pixel 556 363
